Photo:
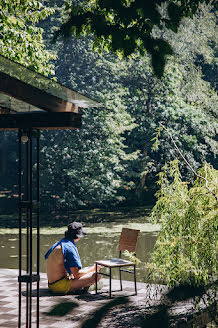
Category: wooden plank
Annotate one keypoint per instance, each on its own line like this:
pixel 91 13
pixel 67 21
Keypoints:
pixel 40 120
pixel 34 96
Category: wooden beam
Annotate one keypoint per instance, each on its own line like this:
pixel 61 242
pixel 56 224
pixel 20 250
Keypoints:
pixel 34 96
pixel 40 120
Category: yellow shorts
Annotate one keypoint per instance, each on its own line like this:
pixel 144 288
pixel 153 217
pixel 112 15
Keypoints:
pixel 62 285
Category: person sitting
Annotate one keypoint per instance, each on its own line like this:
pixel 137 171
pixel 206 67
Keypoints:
pixel 64 267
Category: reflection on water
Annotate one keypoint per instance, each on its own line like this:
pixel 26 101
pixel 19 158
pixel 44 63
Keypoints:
pixel 95 246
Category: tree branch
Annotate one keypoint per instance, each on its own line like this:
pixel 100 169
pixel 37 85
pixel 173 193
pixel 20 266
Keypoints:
pixel 189 165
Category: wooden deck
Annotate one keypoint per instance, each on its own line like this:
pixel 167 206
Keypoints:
pixel 71 311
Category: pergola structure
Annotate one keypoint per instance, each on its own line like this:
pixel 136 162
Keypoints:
pixel 30 102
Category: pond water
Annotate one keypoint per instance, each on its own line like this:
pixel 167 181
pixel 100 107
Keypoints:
pixel 100 243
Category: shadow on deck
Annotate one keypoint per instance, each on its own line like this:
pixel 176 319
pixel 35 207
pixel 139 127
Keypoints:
pixel 150 308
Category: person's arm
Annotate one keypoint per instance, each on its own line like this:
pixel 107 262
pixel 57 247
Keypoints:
pixel 77 273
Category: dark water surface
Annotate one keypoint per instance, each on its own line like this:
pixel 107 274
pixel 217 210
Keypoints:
pixel 100 243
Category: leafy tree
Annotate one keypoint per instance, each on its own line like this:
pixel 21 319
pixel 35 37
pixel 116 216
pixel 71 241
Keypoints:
pixel 154 102
pixel 127 26
pixel 21 39
pixel 195 48
pixel 185 251
pixel 82 168
pixel 113 152
pixel 182 100
pixel 130 86
pixel 90 164
pixel 86 168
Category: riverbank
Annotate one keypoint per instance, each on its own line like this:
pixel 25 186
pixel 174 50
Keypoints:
pixel 59 219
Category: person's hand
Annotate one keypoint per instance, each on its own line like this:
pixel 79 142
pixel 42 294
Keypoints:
pixel 71 276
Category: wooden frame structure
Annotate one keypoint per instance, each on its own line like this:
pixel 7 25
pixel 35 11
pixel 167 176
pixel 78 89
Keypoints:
pixel 30 102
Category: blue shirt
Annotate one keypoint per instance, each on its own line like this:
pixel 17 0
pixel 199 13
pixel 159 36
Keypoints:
pixel 70 254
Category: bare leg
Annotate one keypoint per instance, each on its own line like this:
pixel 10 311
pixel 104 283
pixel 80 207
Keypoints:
pixel 84 281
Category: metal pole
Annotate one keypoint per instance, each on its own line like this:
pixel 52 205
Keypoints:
pixel 38 223
pixel 26 206
pixel 96 278
pixel 135 279
pixel 110 284
pixel 30 221
pixel 121 286
pixel 27 230
pixel 20 220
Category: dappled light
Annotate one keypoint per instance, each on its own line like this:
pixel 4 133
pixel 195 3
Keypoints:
pixel 113 127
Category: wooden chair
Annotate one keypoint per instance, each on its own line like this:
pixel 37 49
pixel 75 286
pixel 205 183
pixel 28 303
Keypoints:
pixel 128 241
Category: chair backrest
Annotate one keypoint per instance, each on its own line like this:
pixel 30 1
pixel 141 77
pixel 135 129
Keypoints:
pixel 128 240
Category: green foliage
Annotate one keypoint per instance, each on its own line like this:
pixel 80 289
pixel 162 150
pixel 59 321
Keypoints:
pixel 113 153
pixel 186 111
pixel 84 168
pixel 131 256
pixel 20 38
pixel 127 27
pixel 196 52
pixel 87 168
pixel 155 102
pixel 182 101
pixel 185 251
pixel 158 130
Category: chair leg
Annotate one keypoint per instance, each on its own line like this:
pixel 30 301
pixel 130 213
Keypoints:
pixel 110 284
pixel 121 287
pixel 96 278
pixel 135 279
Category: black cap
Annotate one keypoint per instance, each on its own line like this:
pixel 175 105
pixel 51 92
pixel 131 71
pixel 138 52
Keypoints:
pixel 75 230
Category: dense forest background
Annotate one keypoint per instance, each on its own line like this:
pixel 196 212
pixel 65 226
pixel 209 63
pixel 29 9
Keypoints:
pixel 111 160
